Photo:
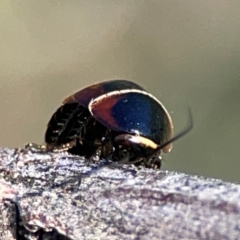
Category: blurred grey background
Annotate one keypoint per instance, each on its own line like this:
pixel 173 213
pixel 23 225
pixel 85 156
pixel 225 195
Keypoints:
pixel 186 53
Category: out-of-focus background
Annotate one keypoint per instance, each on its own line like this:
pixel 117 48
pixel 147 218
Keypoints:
pixel 186 53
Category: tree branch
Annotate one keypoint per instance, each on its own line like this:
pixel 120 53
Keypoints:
pixel 60 196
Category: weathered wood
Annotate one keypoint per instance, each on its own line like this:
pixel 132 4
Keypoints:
pixel 60 196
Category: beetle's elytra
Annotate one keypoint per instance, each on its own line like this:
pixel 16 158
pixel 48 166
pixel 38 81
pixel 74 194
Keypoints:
pixel 117 120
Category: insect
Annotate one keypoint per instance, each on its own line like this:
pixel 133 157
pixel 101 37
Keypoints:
pixel 116 120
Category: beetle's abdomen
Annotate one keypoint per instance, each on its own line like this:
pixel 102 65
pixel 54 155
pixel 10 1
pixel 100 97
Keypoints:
pixel 66 124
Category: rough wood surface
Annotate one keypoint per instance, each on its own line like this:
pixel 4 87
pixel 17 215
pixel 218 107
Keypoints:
pixel 60 196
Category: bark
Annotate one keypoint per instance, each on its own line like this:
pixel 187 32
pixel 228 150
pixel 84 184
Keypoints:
pixel 61 196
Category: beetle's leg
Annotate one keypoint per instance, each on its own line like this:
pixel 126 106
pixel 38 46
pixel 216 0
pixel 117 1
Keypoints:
pixel 103 144
pixel 126 153
pixel 95 157
pixel 37 148
pixel 141 160
pixel 129 151
pixel 154 161
pixel 61 148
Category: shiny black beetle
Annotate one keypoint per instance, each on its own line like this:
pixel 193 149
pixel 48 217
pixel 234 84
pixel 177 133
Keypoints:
pixel 117 120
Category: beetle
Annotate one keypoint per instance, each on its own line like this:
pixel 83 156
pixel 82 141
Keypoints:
pixel 117 120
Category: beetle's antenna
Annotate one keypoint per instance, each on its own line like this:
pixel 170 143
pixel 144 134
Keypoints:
pixel 181 134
